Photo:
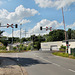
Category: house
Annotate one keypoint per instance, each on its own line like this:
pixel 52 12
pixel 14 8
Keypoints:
pixel 27 43
pixel 48 46
pixel 10 46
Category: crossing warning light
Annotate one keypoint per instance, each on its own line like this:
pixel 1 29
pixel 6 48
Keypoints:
pixel 41 28
pixel 16 26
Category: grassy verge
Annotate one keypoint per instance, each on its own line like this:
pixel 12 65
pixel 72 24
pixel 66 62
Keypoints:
pixel 63 54
pixel 12 51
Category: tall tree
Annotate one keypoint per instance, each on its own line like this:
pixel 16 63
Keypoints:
pixel 1 33
pixel 56 35
pixel 69 33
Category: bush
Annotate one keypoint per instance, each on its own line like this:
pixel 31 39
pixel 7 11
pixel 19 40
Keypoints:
pixel 29 47
pixel 62 48
pixel 14 48
pixel 2 48
pixel 24 48
pixel 20 48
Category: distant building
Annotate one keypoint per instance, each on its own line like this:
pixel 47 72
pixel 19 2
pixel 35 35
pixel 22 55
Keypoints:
pixel 10 46
pixel 54 46
pixel 27 43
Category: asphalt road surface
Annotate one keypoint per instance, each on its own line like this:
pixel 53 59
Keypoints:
pixel 44 63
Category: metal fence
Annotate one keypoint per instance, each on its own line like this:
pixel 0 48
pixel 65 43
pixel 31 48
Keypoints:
pixel 73 51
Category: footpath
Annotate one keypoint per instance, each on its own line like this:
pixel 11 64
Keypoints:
pixel 10 67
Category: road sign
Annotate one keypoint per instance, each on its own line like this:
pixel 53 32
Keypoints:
pixel 10 25
pixel 50 28
pixel 46 28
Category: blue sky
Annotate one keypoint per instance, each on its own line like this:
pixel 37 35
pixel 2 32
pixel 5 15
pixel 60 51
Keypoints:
pixel 36 13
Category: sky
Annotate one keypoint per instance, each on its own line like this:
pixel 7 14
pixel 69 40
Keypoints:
pixel 35 13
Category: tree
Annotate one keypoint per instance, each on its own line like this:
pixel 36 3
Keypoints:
pixel 56 35
pixel 23 40
pixel 69 33
pixel 1 32
pixel 72 34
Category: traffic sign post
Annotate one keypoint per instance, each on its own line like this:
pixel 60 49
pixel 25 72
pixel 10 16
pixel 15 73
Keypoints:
pixel 46 28
pixel 67 45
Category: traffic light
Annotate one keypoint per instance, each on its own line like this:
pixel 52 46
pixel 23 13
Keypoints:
pixel 16 26
pixel 40 28
pixel 67 44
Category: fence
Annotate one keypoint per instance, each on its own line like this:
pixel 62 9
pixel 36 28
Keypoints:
pixel 73 51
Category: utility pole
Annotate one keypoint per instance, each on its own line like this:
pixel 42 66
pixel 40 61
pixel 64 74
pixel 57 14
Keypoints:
pixel 25 33
pixel 65 30
pixel 64 23
pixel 20 35
pixel 12 35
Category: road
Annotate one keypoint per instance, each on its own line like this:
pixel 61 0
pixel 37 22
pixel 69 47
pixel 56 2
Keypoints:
pixel 43 63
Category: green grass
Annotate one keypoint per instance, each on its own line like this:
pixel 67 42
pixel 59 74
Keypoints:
pixel 12 51
pixel 4 51
pixel 63 54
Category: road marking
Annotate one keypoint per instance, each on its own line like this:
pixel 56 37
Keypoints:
pixel 48 61
pixel 56 64
pixel 71 70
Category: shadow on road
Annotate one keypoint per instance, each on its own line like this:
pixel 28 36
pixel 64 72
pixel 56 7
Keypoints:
pixel 30 62
pixel 23 61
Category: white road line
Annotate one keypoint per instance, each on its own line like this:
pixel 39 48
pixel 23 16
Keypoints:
pixel 71 70
pixel 49 61
pixel 54 63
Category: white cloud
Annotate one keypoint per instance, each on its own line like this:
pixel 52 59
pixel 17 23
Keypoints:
pixel 71 26
pixel 15 33
pixel 45 23
pixel 54 3
pixel 24 21
pixel 17 16
pixel 5 34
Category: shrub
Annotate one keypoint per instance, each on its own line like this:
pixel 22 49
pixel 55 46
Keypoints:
pixel 2 48
pixel 14 48
pixel 24 48
pixel 29 47
pixel 20 48
pixel 62 48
